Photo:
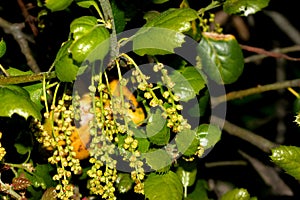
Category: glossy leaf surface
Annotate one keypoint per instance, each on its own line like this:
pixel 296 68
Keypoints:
pixel 16 100
pixel 221 56
pixel 208 135
pixel 163 33
pixel 288 158
pixel 244 7
pixel 163 187
pixel 88 42
pixel 57 5
pixel 82 25
pixel 236 194
pixel 187 177
pixel 188 83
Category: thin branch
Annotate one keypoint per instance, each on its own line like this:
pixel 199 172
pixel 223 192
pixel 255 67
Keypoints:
pixel 22 39
pixel 226 163
pixel 255 58
pixel 28 18
pixel 259 89
pixel 232 129
pixel 26 78
pixel 109 18
pixel 268 53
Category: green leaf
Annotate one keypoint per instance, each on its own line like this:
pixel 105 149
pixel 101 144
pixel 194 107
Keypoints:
pixel 44 171
pixel 63 51
pixel 124 182
pixel 86 3
pixel 65 70
pixel 157 131
pixel 21 149
pixel 244 7
pixel 187 177
pixel 158 159
pixel 208 135
pixel 159 1
pixel 150 15
pixel 186 142
pixel 163 187
pixel 288 158
pixel 141 137
pixel 119 17
pixel 16 72
pixel 200 191
pixel 199 109
pixel 163 33
pixel 195 79
pixel 2 47
pixel 188 83
pixel 35 91
pixel 82 25
pixel 221 56
pixel 57 5
pixel 88 42
pixel 16 100
pixel 236 194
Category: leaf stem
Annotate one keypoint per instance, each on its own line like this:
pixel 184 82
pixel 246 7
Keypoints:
pixel 255 90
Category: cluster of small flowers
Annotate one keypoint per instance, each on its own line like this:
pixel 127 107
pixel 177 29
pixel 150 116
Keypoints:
pixel 102 183
pixel 138 174
pixel 205 24
pixel 55 135
pixel 103 130
pixel 171 106
pixel 2 150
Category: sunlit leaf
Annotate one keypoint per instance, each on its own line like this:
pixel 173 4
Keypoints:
pixel 208 135
pixel 187 177
pixel 244 7
pixel 288 158
pixel 65 70
pixel 236 194
pixel 163 33
pixel 163 187
pixel 57 5
pixel 16 100
pixel 82 25
pixel 88 42
pixel 221 56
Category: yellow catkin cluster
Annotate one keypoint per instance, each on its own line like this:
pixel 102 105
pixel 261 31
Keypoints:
pixel 57 134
